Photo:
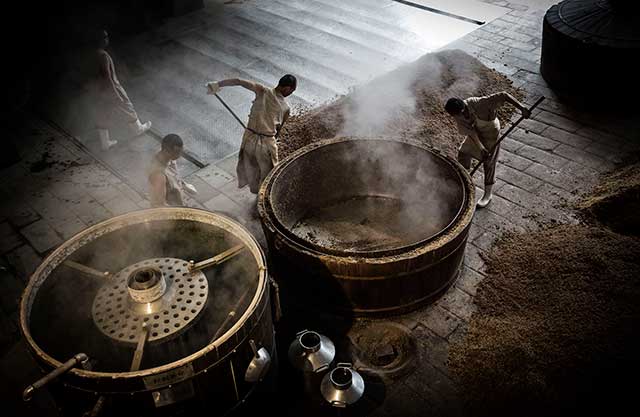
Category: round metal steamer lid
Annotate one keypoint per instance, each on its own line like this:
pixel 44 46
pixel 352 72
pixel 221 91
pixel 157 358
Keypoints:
pixel 202 357
pixel 121 318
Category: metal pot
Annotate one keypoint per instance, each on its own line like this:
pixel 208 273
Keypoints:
pixel 343 386
pixel 311 354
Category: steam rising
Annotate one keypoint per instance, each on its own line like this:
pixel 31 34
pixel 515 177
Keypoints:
pixel 386 105
pixel 381 195
pixel 63 304
pixel 364 195
pixel 373 107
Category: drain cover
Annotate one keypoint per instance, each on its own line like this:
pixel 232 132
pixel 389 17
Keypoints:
pixel 384 347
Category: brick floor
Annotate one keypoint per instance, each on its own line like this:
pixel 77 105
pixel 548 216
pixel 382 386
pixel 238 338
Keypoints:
pixel 544 163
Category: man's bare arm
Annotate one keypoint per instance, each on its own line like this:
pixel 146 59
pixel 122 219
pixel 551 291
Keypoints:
pixel 516 103
pixel 285 117
pixel 476 140
pixel 249 85
pixel 158 190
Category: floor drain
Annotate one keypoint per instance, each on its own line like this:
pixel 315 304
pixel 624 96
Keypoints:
pixel 386 348
pixel 440 12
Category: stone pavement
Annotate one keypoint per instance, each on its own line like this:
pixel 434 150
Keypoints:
pixel 56 190
pixel 545 164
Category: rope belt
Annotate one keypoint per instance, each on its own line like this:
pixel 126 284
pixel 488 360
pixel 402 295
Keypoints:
pixel 258 133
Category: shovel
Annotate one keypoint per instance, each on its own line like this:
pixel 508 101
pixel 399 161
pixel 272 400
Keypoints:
pixel 230 110
pixel 473 171
pixel 226 106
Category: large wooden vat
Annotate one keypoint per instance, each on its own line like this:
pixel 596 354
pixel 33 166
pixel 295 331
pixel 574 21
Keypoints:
pixel 366 226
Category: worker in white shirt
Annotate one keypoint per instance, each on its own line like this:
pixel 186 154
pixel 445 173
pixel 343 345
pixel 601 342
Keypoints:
pixel 477 119
pixel 269 112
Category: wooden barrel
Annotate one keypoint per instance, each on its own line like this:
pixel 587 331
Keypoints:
pixel 366 226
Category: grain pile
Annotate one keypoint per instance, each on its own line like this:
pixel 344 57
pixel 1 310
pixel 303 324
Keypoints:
pixel 558 315
pixel 405 103
pixel 615 202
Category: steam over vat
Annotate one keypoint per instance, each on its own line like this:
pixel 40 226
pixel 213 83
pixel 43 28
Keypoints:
pixel 166 309
pixel 366 226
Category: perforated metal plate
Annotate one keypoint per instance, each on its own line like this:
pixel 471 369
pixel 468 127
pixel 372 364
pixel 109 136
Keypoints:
pixel 120 318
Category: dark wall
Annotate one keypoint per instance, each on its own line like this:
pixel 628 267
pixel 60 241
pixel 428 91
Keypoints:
pixel 37 35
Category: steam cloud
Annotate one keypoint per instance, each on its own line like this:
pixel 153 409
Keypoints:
pixel 388 108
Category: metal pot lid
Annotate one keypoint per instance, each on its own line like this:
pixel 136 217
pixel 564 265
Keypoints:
pixel 180 279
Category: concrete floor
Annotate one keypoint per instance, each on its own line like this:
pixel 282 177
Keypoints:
pixel 330 45
pixel 548 160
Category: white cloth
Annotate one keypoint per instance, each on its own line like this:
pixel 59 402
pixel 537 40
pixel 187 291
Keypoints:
pixel 258 152
pixel 488 132
pixel 111 99
pixel 258 155
pixel 267 111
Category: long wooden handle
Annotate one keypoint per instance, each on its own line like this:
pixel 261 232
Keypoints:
pixel 473 171
pixel 230 111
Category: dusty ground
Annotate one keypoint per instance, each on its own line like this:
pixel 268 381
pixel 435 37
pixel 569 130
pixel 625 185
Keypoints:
pixel 557 320
pixel 405 103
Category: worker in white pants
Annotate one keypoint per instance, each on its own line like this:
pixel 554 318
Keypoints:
pixel 269 111
pixel 111 101
pixel 477 119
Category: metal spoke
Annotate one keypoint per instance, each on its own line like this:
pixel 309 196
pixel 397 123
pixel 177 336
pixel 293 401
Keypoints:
pixel 216 260
pixel 137 355
pixel 230 316
pixel 86 269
